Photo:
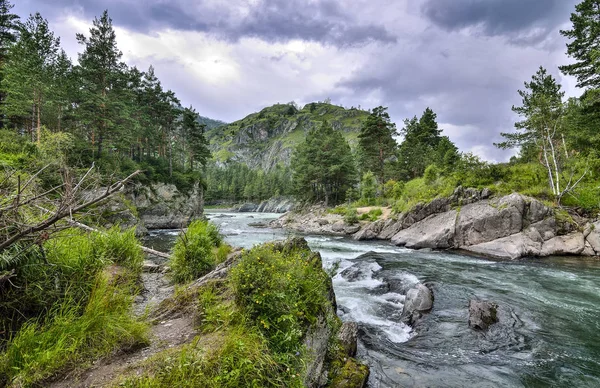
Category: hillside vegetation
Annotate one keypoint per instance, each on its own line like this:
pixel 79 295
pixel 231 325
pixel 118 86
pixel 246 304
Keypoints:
pixel 267 138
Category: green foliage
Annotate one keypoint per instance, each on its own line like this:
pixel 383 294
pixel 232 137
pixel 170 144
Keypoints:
pixel 193 254
pixel 119 247
pixel 284 292
pixel 71 338
pixel 368 188
pixel 242 359
pixel 424 145
pixel 372 215
pixel 376 143
pixel 431 173
pixel 351 216
pixel 582 46
pixel 323 166
pixel 64 271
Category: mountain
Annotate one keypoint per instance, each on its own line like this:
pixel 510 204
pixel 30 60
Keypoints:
pixel 267 138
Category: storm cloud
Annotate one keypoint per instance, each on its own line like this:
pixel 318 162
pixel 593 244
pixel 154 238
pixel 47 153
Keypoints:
pixel 323 21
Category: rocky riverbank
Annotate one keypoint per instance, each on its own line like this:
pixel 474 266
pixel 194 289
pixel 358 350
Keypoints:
pixel 507 227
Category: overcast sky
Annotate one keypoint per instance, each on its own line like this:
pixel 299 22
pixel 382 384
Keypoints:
pixel 465 59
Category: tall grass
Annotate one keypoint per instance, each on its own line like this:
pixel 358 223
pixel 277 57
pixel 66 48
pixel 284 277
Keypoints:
pixel 194 252
pixel 71 338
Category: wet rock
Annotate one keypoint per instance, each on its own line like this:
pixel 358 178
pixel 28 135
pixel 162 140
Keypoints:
pixel 351 229
pixel 419 299
pixel 435 232
pixel 482 314
pixel 347 336
pixel 258 225
pixel 571 244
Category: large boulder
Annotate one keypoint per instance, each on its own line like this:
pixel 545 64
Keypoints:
pixel 435 232
pixel 527 243
pixel 593 237
pixel 571 244
pixel 419 299
pixel 485 221
pixel 370 231
pixel 164 206
pixel 390 228
pixel 482 314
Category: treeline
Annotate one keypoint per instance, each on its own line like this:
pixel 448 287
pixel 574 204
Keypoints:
pixel 100 108
pixel 235 182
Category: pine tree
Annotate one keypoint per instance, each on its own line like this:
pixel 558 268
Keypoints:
pixel 584 46
pixel 29 72
pixel 323 166
pixel 424 145
pixel 9 24
pixel 194 137
pixel 101 75
pixel 376 143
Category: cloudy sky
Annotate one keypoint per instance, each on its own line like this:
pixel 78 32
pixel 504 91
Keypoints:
pixel 465 59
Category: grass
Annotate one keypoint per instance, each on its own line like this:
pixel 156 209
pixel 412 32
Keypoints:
pixel 72 339
pixel 193 254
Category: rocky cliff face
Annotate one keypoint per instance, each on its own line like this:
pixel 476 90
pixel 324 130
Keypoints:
pixel 163 206
pixel 267 138
pixel 272 205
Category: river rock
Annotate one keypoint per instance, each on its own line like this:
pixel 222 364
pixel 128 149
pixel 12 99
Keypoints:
pixel 258 225
pixel 546 228
pixel 528 243
pixel 390 228
pixel 370 231
pixel 419 299
pixel 482 314
pixel 490 220
pixel 588 250
pixel 571 244
pixel 348 335
pixel 247 207
pixel 435 232
pixel 593 238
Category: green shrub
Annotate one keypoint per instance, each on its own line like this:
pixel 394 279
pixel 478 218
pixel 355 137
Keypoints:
pixel 120 247
pixel 193 254
pixel 351 216
pixel 72 338
pixel 282 292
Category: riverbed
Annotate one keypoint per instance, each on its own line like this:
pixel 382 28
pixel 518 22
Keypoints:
pixel 549 329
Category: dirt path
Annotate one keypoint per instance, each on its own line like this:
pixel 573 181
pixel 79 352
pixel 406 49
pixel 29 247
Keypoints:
pixel 169 332
pixel 386 211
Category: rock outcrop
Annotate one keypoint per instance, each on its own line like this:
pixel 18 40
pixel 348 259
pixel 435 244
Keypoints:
pixel 163 206
pixel 482 314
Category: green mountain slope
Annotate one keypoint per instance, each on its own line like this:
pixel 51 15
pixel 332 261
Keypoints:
pixel 267 138
pixel 210 123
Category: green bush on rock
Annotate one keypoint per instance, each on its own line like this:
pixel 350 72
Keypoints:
pixel 194 253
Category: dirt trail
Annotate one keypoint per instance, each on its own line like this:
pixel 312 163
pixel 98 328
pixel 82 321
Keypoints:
pixel 167 333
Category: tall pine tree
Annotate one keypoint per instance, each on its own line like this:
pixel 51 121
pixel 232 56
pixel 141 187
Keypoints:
pixel 376 144
pixel 101 75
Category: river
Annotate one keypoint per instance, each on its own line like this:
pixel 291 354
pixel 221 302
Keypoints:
pixel 549 310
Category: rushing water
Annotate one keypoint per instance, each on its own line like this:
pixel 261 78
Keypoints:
pixel 549 330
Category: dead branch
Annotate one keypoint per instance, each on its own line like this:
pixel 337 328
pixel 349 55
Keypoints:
pixel 67 205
